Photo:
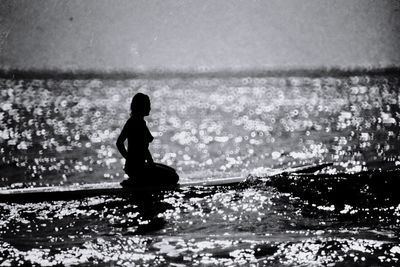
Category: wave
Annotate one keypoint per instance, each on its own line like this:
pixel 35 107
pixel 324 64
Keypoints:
pixel 366 189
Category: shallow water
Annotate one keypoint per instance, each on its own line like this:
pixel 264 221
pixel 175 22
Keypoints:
pixel 227 226
pixel 63 132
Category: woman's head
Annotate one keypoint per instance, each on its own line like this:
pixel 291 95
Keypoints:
pixel 140 105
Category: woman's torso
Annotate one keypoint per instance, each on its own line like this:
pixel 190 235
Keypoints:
pixel 139 138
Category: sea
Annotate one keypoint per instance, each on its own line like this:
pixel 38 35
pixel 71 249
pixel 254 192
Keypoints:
pixel 56 131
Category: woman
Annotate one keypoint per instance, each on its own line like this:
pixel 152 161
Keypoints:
pixel 139 165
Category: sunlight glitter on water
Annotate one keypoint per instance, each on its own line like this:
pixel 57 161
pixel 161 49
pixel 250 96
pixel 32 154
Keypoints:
pixel 198 227
pixel 199 124
pixel 63 132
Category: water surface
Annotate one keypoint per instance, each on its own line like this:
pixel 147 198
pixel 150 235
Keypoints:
pixel 56 132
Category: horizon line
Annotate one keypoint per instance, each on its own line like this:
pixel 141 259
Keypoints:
pixel 193 73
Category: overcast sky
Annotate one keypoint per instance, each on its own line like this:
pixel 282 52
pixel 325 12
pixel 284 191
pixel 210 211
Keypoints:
pixel 186 34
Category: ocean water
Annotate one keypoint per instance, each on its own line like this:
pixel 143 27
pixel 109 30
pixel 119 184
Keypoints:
pixel 62 132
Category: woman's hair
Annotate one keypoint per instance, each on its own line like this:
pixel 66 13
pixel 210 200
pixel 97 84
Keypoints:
pixel 139 104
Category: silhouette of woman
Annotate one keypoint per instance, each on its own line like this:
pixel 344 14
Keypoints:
pixel 139 165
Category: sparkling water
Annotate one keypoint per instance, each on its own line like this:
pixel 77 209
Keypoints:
pixel 60 132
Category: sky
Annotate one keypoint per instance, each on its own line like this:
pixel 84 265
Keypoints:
pixel 198 35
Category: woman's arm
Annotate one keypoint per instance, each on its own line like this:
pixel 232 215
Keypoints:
pixel 148 156
pixel 120 142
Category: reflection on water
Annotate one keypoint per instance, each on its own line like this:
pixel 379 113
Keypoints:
pixel 58 132
pixel 234 226
pixel 64 132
